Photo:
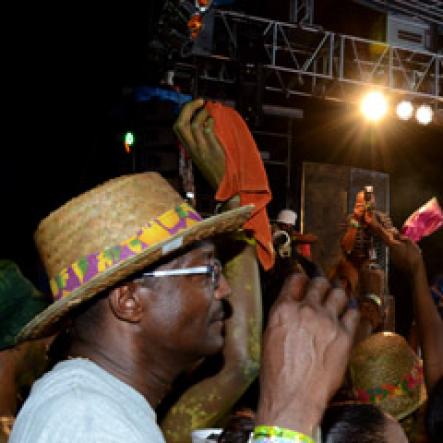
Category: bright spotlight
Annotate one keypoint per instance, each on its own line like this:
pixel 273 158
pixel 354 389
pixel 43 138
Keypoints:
pixel 374 106
pixel 424 114
pixel 405 110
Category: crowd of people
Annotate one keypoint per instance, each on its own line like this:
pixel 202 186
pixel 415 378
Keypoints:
pixel 146 292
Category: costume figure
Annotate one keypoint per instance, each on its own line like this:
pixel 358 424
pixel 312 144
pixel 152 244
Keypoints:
pixel 359 243
pixel 288 241
pixel 293 248
pixel 361 270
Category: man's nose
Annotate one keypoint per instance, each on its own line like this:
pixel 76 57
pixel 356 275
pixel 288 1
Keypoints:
pixel 223 289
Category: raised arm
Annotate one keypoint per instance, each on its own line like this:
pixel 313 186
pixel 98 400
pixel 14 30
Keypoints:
pixel 204 403
pixel 406 256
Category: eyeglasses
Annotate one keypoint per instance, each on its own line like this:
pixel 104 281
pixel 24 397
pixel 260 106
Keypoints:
pixel 213 269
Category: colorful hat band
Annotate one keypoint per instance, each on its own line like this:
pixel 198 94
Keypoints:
pixel 405 387
pixel 155 231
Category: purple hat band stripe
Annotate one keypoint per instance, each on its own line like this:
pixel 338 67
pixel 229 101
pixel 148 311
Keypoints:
pixel 155 231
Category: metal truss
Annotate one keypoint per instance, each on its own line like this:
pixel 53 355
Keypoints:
pixel 428 10
pixel 307 60
pixel 301 11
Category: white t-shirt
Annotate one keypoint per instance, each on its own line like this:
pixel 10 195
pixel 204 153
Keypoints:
pixel 79 402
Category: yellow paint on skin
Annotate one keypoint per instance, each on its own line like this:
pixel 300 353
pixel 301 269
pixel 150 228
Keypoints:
pixel 196 412
pixel 254 344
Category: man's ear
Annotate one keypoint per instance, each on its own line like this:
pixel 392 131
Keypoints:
pixel 126 303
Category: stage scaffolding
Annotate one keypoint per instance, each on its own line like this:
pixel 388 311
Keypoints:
pixel 303 59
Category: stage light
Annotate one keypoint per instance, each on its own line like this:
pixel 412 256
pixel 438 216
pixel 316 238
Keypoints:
pixel 374 106
pixel 405 110
pixel 128 141
pixel 424 114
pixel 203 5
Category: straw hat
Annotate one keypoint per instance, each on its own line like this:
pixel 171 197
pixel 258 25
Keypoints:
pixel 385 371
pixel 112 231
pixel 20 301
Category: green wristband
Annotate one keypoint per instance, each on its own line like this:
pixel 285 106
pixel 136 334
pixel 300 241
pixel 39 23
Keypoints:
pixel 264 434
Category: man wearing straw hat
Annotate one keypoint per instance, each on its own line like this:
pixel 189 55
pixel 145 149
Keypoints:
pixel 137 284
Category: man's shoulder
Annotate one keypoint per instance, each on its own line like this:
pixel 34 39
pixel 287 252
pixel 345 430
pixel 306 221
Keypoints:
pixel 74 404
pixel 69 379
pixel 82 384
pixel 83 414
pixel 79 399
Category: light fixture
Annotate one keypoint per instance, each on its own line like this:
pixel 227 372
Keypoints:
pixel 203 5
pixel 128 141
pixel 405 110
pixel 424 114
pixel 374 106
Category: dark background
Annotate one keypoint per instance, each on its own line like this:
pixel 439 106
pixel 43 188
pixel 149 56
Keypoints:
pixel 66 69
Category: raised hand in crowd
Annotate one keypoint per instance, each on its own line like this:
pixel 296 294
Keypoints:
pixel 305 353
pixel 195 129
pixel 406 256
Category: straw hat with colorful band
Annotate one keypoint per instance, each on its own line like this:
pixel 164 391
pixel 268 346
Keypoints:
pixel 406 386
pixel 158 229
pixel 116 229
pixel 385 371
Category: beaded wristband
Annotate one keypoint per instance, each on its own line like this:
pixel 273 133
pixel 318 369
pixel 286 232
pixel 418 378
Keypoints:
pixel 268 434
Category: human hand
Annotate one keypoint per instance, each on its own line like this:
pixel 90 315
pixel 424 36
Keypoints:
pixel 405 254
pixel 306 348
pixel 195 129
pixel 364 210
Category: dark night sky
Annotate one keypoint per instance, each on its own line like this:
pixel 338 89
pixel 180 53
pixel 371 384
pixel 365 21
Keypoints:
pixel 64 66
pixel 64 70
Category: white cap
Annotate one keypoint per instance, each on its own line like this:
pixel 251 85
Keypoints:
pixel 287 216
